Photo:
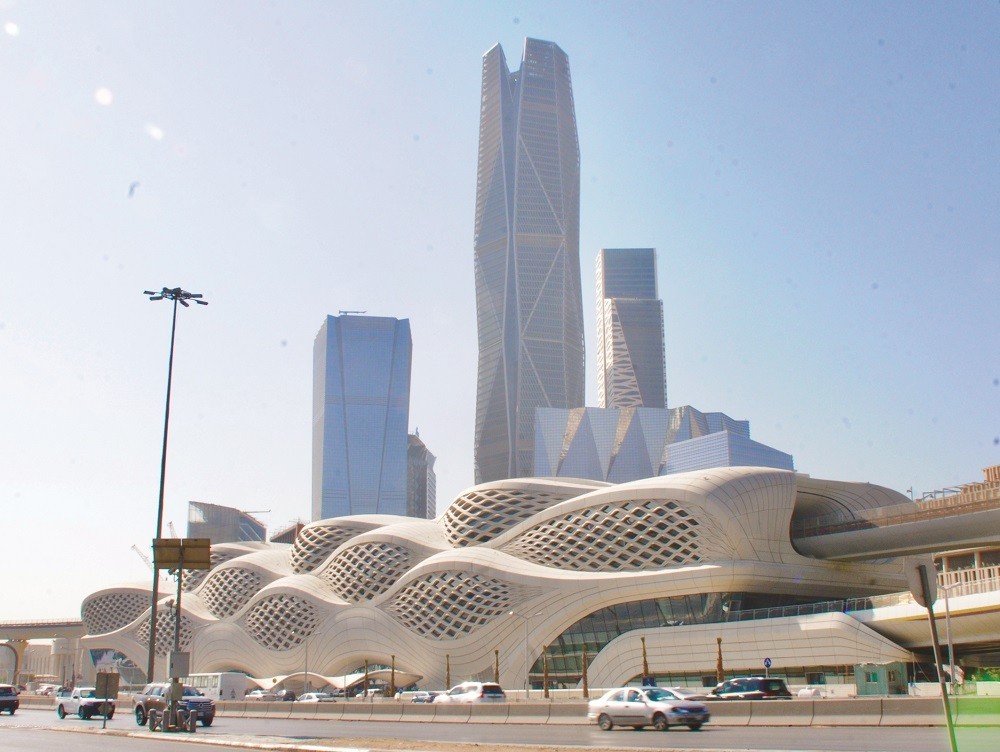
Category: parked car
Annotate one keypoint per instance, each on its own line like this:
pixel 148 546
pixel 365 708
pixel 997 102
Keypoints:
pixel 317 697
pixel 154 697
pixel 470 692
pixel 8 698
pixel 649 706
pixel 423 697
pixel 752 688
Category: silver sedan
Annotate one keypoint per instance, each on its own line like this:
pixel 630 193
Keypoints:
pixel 649 706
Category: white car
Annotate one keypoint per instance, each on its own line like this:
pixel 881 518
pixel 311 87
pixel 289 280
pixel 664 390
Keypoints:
pixel 316 697
pixel 261 696
pixel 471 692
pixel 648 706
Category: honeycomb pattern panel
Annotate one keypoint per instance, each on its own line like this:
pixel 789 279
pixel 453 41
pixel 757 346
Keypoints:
pixel 447 605
pixel 165 631
pixel 480 515
pixel 626 536
pixel 282 621
pixel 228 590
pixel 112 611
pixel 194 577
pixel 317 541
pixel 361 572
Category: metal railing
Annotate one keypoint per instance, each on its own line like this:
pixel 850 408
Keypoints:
pixel 961 582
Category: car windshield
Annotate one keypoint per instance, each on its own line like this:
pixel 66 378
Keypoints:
pixel 658 695
pixel 191 692
pixel 87 693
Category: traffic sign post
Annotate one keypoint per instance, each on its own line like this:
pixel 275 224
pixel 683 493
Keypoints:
pixel 106 688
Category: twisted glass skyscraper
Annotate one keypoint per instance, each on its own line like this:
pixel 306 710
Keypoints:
pixel 361 407
pixel 527 255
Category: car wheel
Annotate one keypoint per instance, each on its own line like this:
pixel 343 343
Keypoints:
pixel 84 715
pixel 61 712
pixel 110 715
pixel 140 716
pixel 694 726
pixel 660 722
pixel 207 721
pixel 605 722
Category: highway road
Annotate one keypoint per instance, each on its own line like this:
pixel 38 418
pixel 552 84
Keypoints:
pixel 39 730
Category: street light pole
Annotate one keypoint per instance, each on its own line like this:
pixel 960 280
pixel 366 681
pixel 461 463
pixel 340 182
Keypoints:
pixel 947 630
pixel 176 295
pixel 527 659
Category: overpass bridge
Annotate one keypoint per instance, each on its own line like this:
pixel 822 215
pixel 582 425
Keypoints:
pixel 40 629
pixel 965 517
pixel 14 635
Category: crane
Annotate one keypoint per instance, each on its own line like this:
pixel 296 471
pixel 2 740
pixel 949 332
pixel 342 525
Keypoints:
pixel 143 556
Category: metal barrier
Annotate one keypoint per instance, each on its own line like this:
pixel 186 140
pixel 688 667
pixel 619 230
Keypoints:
pixel 729 712
pixel 490 713
pixel 529 712
pixel 861 711
pixel 451 713
pixel 387 711
pixel 419 712
pixel 781 712
pixel 567 713
pixel 912 711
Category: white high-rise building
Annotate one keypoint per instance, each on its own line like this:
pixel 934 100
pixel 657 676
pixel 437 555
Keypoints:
pixel 527 256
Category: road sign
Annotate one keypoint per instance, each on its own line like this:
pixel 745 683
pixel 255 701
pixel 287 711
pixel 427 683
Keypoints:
pixel 767 663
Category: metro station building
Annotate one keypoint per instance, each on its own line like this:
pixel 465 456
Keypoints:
pixel 534 578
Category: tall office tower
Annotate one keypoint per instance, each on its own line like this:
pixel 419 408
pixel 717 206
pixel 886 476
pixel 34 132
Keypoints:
pixel 223 524
pixel 527 256
pixel 421 481
pixel 630 363
pixel 361 406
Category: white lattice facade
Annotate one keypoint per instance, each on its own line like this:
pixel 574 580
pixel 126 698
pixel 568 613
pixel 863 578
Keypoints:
pixel 548 554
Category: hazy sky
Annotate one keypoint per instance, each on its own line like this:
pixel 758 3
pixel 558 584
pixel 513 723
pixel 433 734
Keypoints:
pixel 821 181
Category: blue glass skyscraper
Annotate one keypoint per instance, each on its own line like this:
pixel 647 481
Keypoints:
pixel 361 406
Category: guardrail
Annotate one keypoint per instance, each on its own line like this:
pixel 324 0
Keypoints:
pixel 858 711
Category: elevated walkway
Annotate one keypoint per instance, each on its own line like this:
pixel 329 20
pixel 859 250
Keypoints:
pixel 966 517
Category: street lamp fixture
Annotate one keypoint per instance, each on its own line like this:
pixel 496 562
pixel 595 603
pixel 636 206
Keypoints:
pixel 176 295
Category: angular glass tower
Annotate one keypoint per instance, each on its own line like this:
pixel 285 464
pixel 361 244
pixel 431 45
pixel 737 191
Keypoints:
pixel 527 256
pixel 630 363
pixel 361 407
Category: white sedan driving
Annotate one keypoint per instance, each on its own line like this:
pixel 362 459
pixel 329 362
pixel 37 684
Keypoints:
pixel 649 706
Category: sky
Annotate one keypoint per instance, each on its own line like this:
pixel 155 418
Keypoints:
pixel 821 182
